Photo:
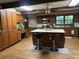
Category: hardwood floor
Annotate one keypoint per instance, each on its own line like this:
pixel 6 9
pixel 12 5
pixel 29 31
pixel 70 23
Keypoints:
pixel 22 50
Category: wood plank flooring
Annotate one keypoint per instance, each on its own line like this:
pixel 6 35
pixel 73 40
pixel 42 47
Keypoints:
pixel 22 50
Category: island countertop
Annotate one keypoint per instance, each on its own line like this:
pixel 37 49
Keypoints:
pixel 49 30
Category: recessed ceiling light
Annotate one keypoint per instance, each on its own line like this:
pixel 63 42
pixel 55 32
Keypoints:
pixel 26 8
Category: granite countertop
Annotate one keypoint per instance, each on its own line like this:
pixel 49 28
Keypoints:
pixel 49 30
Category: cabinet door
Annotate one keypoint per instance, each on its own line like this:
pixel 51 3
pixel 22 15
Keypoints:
pixel 3 19
pixel 39 19
pixel 13 36
pixel 46 40
pixel 5 39
pixel 35 40
pixel 18 35
pixel 0 41
pixel 9 19
pixel 14 20
pixel 59 40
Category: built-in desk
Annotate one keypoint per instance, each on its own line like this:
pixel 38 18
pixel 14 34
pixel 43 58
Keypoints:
pixel 47 36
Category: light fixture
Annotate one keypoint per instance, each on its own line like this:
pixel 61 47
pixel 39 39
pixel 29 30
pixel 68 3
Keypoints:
pixel 26 8
pixel 48 9
pixel 73 2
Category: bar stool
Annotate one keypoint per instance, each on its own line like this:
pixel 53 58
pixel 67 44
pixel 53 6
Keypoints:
pixel 54 48
pixel 39 37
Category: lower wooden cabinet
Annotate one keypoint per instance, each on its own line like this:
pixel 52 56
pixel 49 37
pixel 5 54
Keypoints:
pixel 59 40
pixel 5 40
pixel 15 35
pixel 8 37
pixel 12 36
pixel 49 39
pixel 0 41
pixel 19 35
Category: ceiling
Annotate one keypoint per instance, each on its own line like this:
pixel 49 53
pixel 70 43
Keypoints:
pixel 17 3
pixel 43 6
pixel 31 1
pixel 33 4
pixel 6 1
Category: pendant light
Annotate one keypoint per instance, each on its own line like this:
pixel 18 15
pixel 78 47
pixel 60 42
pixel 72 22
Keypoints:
pixel 48 9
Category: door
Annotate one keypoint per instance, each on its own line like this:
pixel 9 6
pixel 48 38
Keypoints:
pixel 5 39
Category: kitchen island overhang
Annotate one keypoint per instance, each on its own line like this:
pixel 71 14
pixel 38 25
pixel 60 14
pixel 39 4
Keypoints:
pixel 49 30
pixel 53 38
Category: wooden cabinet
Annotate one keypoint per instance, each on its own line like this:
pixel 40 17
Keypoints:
pixel 40 18
pixel 46 39
pixel 9 19
pixel 0 41
pixel 19 35
pixel 3 19
pixel 12 36
pixel 59 40
pixel 14 20
pixel 8 27
pixel 20 18
pixel 15 35
pixel 5 40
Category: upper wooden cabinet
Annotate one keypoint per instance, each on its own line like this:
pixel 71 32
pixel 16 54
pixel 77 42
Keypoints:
pixel 41 17
pixel 20 18
pixel 14 19
pixel 3 20
pixel 9 19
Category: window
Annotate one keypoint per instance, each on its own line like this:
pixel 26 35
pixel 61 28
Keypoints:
pixel 69 19
pixel 59 20
pixel 64 20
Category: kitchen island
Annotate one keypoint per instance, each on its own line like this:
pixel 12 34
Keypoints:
pixel 54 38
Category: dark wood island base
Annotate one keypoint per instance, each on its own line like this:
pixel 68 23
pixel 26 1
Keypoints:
pixel 53 40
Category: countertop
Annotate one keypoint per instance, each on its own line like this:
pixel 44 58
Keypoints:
pixel 49 30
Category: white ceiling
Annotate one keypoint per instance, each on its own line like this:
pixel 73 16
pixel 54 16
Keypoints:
pixel 43 6
pixel 5 1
